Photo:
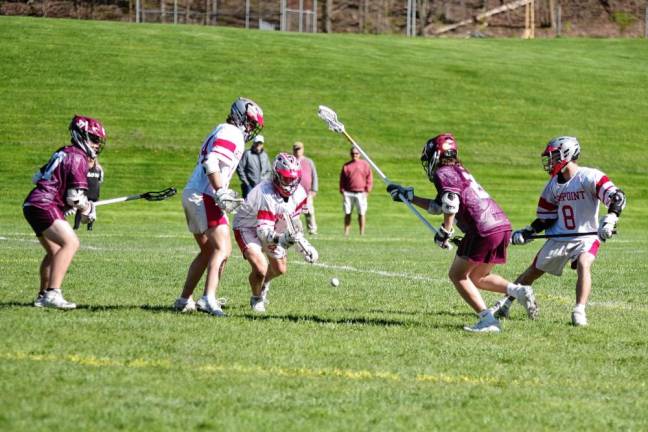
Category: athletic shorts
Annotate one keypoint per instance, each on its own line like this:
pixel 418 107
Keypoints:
pixel 354 199
pixel 41 219
pixel 201 212
pixel 489 250
pixel 246 238
pixel 554 254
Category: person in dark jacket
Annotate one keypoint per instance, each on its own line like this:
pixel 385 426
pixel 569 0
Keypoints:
pixel 254 166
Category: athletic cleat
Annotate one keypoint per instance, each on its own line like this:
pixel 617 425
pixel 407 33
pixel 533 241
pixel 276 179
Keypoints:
pixel 579 319
pixel 264 293
pixel 39 301
pixel 502 308
pixel 54 299
pixel 184 305
pixel 212 308
pixel 486 324
pixel 257 304
pixel 524 295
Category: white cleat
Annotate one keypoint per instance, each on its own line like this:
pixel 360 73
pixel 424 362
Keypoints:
pixel 257 304
pixel 524 295
pixel 184 305
pixel 502 308
pixel 212 308
pixel 39 301
pixel 54 299
pixel 264 293
pixel 579 319
pixel 486 324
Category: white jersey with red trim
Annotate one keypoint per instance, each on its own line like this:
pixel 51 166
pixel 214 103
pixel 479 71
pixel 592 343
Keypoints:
pixel 227 143
pixel 265 207
pixel 575 203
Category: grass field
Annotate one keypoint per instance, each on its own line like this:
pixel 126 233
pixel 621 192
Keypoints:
pixel 384 350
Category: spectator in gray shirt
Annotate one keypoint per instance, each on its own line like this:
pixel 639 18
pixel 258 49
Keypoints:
pixel 254 166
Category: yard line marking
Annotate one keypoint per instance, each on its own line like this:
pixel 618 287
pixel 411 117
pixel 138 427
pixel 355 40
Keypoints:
pixel 275 371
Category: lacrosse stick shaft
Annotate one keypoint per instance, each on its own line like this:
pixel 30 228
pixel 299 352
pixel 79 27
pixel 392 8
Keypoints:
pixel 118 200
pixel 550 236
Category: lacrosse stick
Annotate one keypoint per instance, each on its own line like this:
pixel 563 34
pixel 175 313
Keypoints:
pixel 330 118
pixel 550 236
pixel 148 196
pixel 300 241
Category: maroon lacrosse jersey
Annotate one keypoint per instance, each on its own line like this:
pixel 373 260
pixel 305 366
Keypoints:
pixel 478 212
pixel 66 169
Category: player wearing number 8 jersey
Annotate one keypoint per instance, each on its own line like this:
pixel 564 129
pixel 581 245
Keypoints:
pixel 569 204
pixel 462 200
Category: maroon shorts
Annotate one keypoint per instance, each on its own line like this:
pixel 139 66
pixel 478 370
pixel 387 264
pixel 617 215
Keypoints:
pixel 41 219
pixel 490 249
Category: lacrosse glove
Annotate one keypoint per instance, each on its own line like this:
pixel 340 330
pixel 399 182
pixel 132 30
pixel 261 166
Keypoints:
pixel 395 190
pixel 522 236
pixel 227 200
pixel 606 226
pixel 89 215
pixel 442 237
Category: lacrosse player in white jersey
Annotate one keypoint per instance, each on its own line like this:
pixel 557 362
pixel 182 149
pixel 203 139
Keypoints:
pixel 267 224
pixel 568 210
pixel 207 199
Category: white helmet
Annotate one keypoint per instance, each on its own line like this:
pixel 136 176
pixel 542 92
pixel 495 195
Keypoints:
pixel 559 152
pixel 247 116
pixel 286 174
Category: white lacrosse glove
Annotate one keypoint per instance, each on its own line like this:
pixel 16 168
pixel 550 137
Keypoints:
pixel 276 251
pixel 227 200
pixel 522 236
pixel 442 238
pixel 286 239
pixel 606 226
pixel 70 212
pixel 89 215
pixel 395 190
pixel 306 250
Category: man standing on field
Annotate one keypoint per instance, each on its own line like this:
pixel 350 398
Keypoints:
pixel 309 183
pixel 568 207
pixel 207 198
pixel 356 181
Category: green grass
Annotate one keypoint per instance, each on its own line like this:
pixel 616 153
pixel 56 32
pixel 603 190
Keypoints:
pixel 383 351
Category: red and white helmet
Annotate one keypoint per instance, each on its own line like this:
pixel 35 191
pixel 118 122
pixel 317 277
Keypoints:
pixel 286 174
pixel 559 152
pixel 88 134
pixel 247 116
pixel 437 148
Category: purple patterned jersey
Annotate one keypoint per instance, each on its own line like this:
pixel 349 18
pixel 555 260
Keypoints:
pixel 478 212
pixel 66 169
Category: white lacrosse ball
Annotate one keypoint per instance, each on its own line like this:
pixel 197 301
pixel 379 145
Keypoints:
pixel 335 282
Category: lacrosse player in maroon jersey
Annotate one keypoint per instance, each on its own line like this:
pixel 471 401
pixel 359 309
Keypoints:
pixel 61 185
pixel 207 198
pixel 487 230
pixel 569 205
pixel 267 224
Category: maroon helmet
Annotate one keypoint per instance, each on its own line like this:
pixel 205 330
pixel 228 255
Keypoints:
pixel 437 148
pixel 286 174
pixel 88 134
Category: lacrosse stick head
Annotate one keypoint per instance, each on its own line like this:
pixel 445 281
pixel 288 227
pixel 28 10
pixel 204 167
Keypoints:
pixel 161 195
pixel 330 117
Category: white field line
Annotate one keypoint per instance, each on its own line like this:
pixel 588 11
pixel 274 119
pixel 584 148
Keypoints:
pixel 387 274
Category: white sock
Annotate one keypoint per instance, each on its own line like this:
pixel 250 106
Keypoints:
pixel 211 298
pixel 511 288
pixel 579 308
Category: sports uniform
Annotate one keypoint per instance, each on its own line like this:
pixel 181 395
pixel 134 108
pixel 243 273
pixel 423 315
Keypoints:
pixel 225 144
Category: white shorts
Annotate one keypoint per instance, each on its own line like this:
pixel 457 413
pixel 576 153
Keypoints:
pixel 246 238
pixel 554 254
pixel 354 199
pixel 201 212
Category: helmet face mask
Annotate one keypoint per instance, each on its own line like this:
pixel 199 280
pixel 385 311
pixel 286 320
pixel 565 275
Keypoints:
pixel 247 116
pixel 88 134
pixel 440 147
pixel 286 174
pixel 559 152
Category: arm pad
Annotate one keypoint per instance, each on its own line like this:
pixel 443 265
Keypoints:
pixel 449 203
pixel 539 225
pixel 211 164
pixel 617 202
pixel 77 198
